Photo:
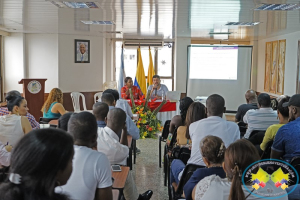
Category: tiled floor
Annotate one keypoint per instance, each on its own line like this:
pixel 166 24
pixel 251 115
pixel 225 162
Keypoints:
pixel 148 175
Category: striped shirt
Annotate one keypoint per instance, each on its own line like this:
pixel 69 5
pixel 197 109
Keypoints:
pixel 34 124
pixel 260 119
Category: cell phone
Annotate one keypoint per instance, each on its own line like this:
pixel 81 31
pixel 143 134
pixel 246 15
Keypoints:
pixel 116 168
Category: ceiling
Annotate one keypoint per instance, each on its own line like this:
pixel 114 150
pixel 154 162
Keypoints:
pixel 150 19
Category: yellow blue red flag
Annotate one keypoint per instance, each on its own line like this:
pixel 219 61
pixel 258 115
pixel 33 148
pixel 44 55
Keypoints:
pixel 151 72
pixel 140 78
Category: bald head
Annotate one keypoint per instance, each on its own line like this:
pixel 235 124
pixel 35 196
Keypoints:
pixel 116 119
pixel 100 110
pixel 250 96
pixel 215 105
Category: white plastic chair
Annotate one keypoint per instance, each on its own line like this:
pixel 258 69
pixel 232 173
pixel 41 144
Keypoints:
pixel 110 85
pixel 75 100
pixel 97 95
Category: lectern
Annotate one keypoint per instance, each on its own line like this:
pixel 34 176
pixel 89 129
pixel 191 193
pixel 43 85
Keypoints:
pixel 34 92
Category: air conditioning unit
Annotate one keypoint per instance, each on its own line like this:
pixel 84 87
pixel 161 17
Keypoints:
pixel 143 43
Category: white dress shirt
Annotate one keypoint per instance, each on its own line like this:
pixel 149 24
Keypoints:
pixel 260 119
pixel 131 127
pixel 108 143
pixel 216 126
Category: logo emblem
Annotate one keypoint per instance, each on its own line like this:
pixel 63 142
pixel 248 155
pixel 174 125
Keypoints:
pixel 34 87
pixel 269 178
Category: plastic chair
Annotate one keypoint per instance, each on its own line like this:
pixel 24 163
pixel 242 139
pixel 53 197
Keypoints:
pixel 110 85
pixel 97 95
pixel 186 175
pixel 295 162
pixel 162 138
pixel 267 152
pixel 75 100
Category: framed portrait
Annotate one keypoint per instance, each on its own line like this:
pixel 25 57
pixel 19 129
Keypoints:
pixel 82 51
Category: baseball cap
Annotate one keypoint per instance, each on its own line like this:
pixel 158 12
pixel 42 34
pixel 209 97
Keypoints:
pixel 294 101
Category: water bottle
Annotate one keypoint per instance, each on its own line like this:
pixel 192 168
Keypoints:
pixel 163 95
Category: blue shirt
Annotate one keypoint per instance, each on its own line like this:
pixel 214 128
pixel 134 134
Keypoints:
pixel 50 114
pixel 287 140
pixel 197 176
pixel 101 124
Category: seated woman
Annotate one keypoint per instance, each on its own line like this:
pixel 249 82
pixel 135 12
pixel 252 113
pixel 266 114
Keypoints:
pixel 178 120
pixel 212 149
pixel 238 156
pixel 283 115
pixel 37 166
pixel 137 93
pixel 195 112
pixel 53 107
pixel 14 125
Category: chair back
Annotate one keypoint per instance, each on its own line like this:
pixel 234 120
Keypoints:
pixel 184 154
pixel 46 120
pixel 295 162
pixel 165 131
pixel 75 100
pixel 267 152
pixel 174 139
pixel 255 132
pixel 97 96
pixel 186 175
pixel 110 85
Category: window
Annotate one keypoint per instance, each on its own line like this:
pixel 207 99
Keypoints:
pixel 162 61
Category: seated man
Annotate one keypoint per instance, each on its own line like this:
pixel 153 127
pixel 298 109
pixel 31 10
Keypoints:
pixel 287 139
pixel 117 152
pixel 132 130
pixel 214 125
pixel 91 176
pixel 261 118
pixel 100 110
pixel 4 111
pixel 251 100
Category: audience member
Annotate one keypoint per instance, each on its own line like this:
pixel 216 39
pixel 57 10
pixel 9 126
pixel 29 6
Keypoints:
pixel 117 152
pixel 251 100
pixel 5 154
pixel 91 176
pixel 212 149
pixel 261 118
pixel 53 107
pixel 14 125
pixel 120 103
pixel 214 125
pixel 195 113
pixel 4 110
pixel 179 120
pixel 41 160
pixel 132 130
pixel 100 110
pixel 136 92
pixel 287 139
pixel 283 115
pixel 63 121
pixel 238 156
pixel 157 90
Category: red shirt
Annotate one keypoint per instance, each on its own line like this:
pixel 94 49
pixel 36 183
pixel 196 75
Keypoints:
pixel 137 93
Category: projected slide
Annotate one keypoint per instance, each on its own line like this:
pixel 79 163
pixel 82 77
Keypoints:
pixel 213 63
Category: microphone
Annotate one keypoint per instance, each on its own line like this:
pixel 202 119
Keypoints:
pixel 155 91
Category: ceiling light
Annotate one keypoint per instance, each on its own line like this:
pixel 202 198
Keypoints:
pixel 111 32
pixel 99 22
pixel 242 23
pixel 220 33
pixel 279 7
pixel 80 4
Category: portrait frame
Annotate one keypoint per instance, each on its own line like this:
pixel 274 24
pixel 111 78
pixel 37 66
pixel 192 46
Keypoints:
pixel 281 67
pixel 79 57
pixel 274 67
pixel 268 66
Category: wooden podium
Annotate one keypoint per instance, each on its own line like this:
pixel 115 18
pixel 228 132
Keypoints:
pixel 34 92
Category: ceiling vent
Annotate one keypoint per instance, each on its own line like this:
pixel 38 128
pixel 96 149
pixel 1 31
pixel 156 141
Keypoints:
pixel 137 43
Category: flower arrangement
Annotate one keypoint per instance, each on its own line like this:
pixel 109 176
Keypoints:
pixel 147 123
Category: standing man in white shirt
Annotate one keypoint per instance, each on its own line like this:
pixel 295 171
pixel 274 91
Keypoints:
pixel 117 153
pixel 91 176
pixel 214 125
pixel 261 118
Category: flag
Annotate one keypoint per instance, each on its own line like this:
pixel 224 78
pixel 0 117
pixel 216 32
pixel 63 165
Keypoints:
pixel 151 72
pixel 122 73
pixel 140 78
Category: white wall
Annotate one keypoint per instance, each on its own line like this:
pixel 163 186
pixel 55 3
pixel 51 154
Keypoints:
pixel 41 51
pixel 80 76
pixel 13 62
pixel 290 62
